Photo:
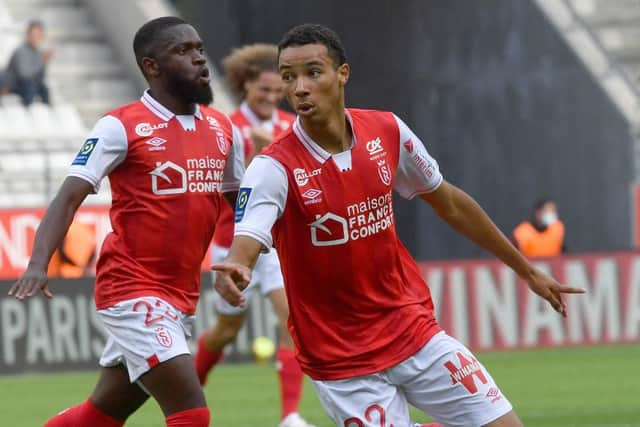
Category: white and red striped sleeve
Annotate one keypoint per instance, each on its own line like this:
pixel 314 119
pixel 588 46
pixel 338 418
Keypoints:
pixel 417 172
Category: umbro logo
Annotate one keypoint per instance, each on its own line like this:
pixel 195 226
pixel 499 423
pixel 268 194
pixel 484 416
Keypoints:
pixel 312 196
pixel 156 144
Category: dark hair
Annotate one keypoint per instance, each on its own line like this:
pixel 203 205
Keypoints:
pixel 246 63
pixel 34 23
pixel 145 42
pixel 304 34
pixel 541 202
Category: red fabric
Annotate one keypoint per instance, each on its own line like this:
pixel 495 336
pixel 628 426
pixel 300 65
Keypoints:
pixel 385 312
pixel 85 414
pixel 196 417
pixel 205 360
pixel 290 376
pixel 224 229
pixel 160 235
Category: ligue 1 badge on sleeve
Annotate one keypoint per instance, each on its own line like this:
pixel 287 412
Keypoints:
pixel 85 151
pixel 241 203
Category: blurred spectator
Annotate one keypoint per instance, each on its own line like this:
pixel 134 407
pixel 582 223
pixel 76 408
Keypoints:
pixel 25 73
pixel 73 259
pixel 543 235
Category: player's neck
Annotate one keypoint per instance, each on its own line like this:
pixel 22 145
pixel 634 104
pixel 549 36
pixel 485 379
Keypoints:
pixel 333 134
pixel 176 106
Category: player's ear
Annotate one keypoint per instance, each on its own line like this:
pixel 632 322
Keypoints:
pixel 343 74
pixel 150 67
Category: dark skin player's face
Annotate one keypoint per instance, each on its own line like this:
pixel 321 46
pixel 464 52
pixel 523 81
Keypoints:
pixel 313 85
pixel 180 66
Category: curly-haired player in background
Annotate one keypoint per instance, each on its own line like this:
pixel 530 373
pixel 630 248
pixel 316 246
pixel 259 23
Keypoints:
pixel 251 72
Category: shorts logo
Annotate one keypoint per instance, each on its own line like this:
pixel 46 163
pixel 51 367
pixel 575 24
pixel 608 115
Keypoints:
pixel 145 129
pixel 163 336
pixel 241 204
pixel 468 369
pixel 85 151
pixel 159 174
pixel 493 394
pixel 383 172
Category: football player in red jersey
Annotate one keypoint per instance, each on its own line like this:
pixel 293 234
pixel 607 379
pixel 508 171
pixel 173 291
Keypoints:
pixel 361 314
pixel 169 158
pixel 251 72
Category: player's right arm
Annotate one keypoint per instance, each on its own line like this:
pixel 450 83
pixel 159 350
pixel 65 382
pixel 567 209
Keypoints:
pixel 104 149
pixel 261 201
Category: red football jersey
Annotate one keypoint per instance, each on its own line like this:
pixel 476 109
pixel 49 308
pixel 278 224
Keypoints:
pixel 244 119
pixel 358 302
pixel 166 184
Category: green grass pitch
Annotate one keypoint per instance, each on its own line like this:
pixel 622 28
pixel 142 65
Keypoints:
pixel 580 387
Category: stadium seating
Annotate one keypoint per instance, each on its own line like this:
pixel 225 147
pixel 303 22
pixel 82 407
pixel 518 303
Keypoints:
pixel 85 80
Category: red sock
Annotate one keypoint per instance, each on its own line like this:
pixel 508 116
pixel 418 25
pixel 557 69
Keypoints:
pixel 205 360
pixel 290 380
pixel 195 417
pixel 85 414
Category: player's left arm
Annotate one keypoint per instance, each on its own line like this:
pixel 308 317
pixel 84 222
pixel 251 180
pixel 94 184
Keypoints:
pixel 418 173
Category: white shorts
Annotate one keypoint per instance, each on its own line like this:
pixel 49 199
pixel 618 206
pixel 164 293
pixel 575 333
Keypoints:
pixel 443 379
pixel 142 333
pixel 266 274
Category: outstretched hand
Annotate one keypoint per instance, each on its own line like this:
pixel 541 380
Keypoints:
pixel 548 288
pixel 231 279
pixel 30 283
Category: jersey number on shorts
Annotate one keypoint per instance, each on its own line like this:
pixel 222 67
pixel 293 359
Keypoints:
pixel 357 422
pixel 149 318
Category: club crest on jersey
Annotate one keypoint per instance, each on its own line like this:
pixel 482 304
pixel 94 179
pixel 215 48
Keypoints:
pixel 214 125
pixel 85 151
pixel 383 172
pixel 241 203
pixel 145 129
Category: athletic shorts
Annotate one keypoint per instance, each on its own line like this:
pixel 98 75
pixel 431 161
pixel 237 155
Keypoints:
pixel 266 275
pixel 142 333
pixel 443 379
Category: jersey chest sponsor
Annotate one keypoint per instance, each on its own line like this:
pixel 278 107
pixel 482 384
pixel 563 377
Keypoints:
pixel 338 209
pixel 172 169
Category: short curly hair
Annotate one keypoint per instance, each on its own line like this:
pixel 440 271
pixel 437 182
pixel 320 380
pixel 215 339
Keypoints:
pixel 246 63
pixel 304 34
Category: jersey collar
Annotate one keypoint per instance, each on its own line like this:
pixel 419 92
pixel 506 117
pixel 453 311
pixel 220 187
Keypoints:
pixel 316 151
pixel 253 118
pixel 160 110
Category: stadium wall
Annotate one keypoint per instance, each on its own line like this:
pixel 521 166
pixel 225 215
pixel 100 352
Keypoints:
pixel 495 93
pixel 480 302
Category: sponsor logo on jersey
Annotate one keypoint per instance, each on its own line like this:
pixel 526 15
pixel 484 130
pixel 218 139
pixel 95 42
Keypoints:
pixel 85 152
pixel 241 203
pixel 469 369
pixel 321 234
pixel 203 175
pixel 312 196
pixel 156 144
pixel 364 219
pixel 145 129
pixel 408 144
pixel 383 172
pixel 374 146
pixel 302 176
